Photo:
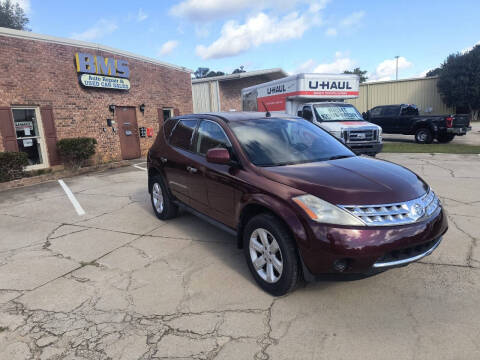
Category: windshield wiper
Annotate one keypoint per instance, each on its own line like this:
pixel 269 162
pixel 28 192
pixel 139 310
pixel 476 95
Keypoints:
pixel 336 157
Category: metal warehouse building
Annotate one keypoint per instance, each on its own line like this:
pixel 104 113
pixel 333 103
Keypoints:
pixel 420 91
pixel 223 93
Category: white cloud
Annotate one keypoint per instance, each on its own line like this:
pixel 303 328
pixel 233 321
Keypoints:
pixel 202 30
pixel 208 10
pixel 260 29
pixel 168 47
pixel 469 48
pixel 353 19
pixel 142 15
pixel 386 69
pixel 306 67
pixel 423 73
pixel 339 65
pixel 347 24
pixel 102 28
pixel 24 4
pixel 331 31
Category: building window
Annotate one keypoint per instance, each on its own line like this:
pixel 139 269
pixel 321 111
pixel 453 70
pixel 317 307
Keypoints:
pixel 30 138
pixel 167 114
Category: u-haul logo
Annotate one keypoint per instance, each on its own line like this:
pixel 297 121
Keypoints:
pixel 99 65
pixel 330 85
pixel 276 89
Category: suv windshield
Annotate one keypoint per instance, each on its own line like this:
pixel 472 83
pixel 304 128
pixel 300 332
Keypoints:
pixel 275 142
pixel 337 112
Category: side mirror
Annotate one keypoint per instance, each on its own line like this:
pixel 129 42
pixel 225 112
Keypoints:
pixel 218 156
pixel 366 115
pixel 307 115
pixel 299 113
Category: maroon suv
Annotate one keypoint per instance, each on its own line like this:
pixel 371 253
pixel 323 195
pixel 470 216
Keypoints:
pixel 300 202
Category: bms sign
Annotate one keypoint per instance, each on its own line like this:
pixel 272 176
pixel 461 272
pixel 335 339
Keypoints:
pixel 102 72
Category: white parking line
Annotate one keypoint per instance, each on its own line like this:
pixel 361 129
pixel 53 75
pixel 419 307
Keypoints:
pixel 139 167
pixel 72 198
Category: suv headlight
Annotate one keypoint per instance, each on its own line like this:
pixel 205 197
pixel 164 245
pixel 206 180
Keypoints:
pixel 323 212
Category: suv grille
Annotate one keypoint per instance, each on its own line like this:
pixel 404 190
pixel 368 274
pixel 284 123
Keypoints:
pixel 395 214
pixel 354 136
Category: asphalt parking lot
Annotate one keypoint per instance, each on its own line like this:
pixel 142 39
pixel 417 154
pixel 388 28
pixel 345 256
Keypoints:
pixel 117 283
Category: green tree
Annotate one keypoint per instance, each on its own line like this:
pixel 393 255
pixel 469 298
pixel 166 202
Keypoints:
pixel 201 72
pixel 215 73
pixel 359 72
pixel 12 16
pixel 459 81
pixel 433 72
pixel 238 70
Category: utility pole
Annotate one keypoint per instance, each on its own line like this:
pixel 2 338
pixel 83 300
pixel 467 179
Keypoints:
pixel 396 68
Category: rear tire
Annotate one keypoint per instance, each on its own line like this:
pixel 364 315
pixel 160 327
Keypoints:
pixel 423 136
pixel 162 202
pixel 271 254
pixel 445 138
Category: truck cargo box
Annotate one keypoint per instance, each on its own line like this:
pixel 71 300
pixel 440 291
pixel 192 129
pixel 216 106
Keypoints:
pixel 273 95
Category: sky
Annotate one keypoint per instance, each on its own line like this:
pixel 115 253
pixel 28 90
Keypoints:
pixel 295 35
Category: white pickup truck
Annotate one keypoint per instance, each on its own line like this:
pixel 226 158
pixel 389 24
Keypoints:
pixel 319 98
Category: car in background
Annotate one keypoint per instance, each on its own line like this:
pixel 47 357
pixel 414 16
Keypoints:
pixel 299 201
pixel 405 119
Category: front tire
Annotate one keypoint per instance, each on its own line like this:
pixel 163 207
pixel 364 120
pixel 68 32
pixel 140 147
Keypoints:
pixel 445 138
pixel 423 136
pixel 162 202
pixel 271 255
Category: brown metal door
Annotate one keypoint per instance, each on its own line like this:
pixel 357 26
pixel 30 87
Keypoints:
pixel 128 131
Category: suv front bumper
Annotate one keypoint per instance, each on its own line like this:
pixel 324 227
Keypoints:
pixel 370 249
pixel 366 148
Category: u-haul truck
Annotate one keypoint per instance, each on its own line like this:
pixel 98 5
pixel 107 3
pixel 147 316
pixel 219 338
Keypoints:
pixel 319 98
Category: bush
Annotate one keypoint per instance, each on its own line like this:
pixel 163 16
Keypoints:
pixel 76 151
pixel 12 165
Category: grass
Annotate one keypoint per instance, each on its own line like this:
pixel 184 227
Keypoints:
pixel 430 148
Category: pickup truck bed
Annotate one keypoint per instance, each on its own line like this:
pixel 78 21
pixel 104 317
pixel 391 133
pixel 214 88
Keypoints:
pixel 405 119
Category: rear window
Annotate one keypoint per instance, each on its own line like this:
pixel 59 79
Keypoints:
pixel 409 110
pixel 182 134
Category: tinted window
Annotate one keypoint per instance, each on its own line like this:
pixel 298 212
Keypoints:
pixel 211 136
pixel 375 112
pixel 183 133
pixel 274 142
pixel 168 126
pixel 390 111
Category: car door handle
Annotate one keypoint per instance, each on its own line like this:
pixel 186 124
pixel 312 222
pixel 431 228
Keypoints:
pixel 163 159
pixel 191 170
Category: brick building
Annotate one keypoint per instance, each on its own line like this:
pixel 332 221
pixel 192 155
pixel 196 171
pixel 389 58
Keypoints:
pixel 224 93
pixel 54 88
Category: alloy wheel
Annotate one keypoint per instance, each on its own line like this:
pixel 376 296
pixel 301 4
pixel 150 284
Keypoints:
pixel 422 136
pixel 266 255
pixel 157 197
